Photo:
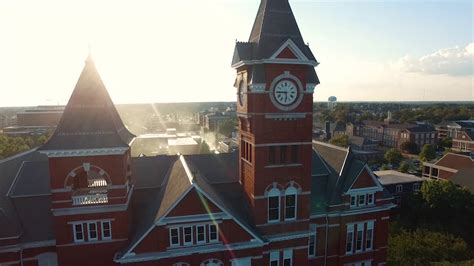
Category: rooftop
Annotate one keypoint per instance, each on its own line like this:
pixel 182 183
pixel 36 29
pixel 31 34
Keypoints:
pixel 388 177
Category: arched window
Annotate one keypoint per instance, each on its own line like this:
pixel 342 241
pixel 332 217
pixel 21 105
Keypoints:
pixel 274 205
pixel 290 203
pixel 212 262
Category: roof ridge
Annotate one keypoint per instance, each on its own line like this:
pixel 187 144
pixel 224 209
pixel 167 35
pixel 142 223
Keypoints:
pixel 331 145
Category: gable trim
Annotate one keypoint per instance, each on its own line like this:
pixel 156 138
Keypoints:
pixel 378 186
pixel 129 251
pixel 293 48
pixel 226 212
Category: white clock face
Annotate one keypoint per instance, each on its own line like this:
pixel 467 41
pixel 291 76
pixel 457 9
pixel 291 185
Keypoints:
pixel 285 92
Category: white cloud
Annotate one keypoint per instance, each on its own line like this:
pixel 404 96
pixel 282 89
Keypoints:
pixel 455 61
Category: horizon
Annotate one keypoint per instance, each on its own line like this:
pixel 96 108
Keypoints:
pixel 369 51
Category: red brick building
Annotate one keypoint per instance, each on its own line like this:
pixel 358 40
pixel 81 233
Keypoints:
pixel 449 165
pixel 81 199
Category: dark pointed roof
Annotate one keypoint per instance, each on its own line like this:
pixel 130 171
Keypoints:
pixel 273 26
pixel 90 119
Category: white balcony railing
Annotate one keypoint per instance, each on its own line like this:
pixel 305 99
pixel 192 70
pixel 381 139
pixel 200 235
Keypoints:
pixel 89 198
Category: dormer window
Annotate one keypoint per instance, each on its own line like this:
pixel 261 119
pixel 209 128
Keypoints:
pixel 362 200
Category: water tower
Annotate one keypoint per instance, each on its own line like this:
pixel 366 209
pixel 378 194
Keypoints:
pixel 332 102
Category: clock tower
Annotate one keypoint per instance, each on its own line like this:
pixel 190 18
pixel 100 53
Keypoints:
pixel 275 84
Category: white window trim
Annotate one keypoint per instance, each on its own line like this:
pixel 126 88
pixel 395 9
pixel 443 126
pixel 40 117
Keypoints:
pixel 184 236
pixel 171 238
pixel 217 233
pixel 373 199
pixel 102 230
pixel 75 232
pixel 399 189
pixel 289 192
pixel 370 226
pixel 274 192
pixel 361 196
pixel 89 231
pixel 275 256
pixel 416 187
pixel 355 201
pixel 312 252
pixel 350 229
pixel 360 229
pixel 288 254
pixel 197 234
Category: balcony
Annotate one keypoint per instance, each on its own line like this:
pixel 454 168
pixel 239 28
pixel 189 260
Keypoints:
pixel 89 196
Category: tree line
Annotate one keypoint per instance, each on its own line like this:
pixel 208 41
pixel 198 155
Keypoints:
pixel 10 146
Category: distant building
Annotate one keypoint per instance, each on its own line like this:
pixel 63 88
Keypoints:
pixel 420 135
pixel 450 129
pixel 35 121
pixel 393 134
pixel 463 136
pixel 400 185
pixel 448 166
pixel 40 116
pixel 361 143
pixel 332 102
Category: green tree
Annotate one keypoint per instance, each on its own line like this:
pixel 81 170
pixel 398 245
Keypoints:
pixel 428 153
pixel 227 127
pixel 404 167
pixel 421 247
pixel 446 143
pixel 409 147
pixel 341 140
pixel 393 156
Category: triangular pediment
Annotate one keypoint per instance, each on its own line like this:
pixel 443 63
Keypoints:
pixel 289 50
pixel 365 180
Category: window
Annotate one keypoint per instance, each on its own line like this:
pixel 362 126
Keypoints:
pixel 288 257
pixel 92 229
pixel 274 258
pixel 201 234
pixel 294 154
pixel 369 235
pixel 370 199
pixel 271 155
pixel 106 230
pixel 360 232
pixel 312 245
pixel 78 232
pixel 361 200
pixel 174 237
pixel 290 203
pixel 349 238
pixel 274 205
pixel 282 154
pixel 181 264
pixel 353 201
pixel 416 187
pixel 399 188
pixel 213 235
pixel 187 235
pixel 246 152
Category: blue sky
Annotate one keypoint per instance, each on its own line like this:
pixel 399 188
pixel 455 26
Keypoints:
pixel 175 51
